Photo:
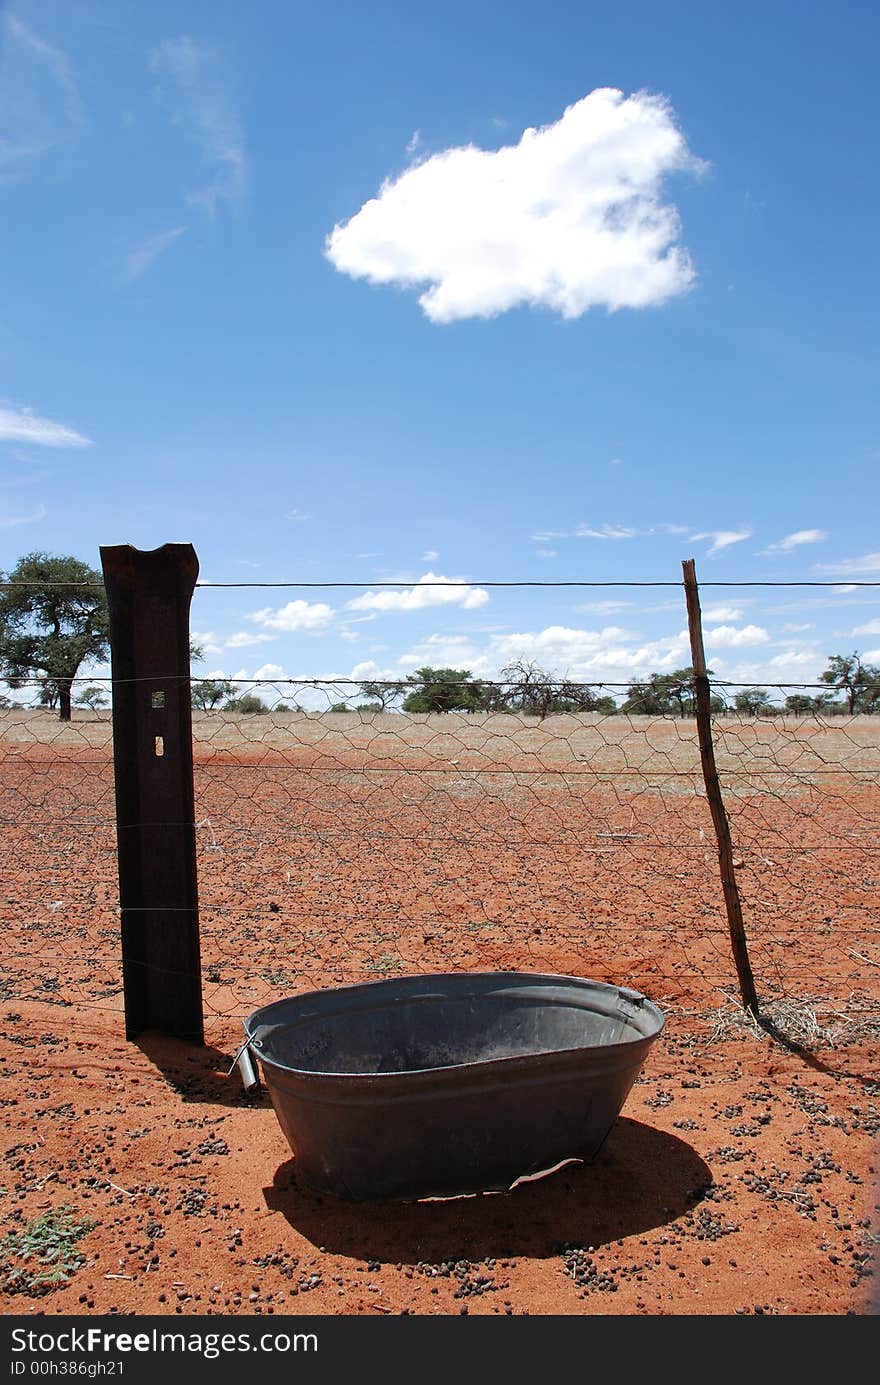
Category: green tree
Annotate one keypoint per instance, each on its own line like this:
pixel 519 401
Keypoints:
pixel 382 694
pixel 859 683
pixel 248 703
pixel 799 703
pixel 92 697
pixel 664 694
pixel 53 618
pixel 753 702
pixel 208 693
pixel 444 690
pixel 525 687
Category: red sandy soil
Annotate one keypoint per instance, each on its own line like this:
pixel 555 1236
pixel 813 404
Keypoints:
pixel 741 1176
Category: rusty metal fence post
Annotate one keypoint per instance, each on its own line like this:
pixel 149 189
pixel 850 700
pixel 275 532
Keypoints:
pixel 149 595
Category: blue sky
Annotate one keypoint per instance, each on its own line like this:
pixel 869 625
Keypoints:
pixel 291 283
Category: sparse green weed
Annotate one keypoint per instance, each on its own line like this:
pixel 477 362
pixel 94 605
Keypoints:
pixel 42 1256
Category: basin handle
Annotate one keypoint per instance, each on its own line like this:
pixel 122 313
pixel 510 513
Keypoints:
pixel 247 1068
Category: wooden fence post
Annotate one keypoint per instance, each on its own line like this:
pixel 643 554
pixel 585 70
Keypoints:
pixel 149 595
pixel 713 792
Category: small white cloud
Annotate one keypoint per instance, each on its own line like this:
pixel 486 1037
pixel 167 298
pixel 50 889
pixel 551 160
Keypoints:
pixel 852 567
pixel 545 553
pixel 791 628
pixel 605 531
pixel 139 260
pixel 872 628
pixel 52 59
pixel 430 590
pixel 413 142
pixel 609 531
pixel 195 88
pixel 568 219
pixel 722 538
pixel 430 555
pixel 13 521
pixel 309 616
pixel 729 637
pixel 208 641
pixel 445 651
pixel 602 607
pixel 792 659
pixel 269 671
pixel 243 638
pixel 722 613
pixel 23 425
pixel 796 540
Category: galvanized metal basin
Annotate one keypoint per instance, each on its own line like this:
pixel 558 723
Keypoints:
pixel 427 1086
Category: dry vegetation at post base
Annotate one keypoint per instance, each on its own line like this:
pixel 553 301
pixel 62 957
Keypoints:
pixel 741 1176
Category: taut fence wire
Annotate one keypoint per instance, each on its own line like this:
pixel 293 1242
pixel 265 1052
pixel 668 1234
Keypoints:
pixel 335 846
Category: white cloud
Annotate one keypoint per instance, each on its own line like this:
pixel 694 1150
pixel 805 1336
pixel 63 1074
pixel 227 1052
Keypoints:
pixel 610 531
pixel 413 142
pixel 602 607
pixel 796 540
pixel 40 106
pixel 607 531
pixel 243 638
pixel 792 659
pixel 871 656
pixel 722 538
pixel 23 425
pixel 209 642
pixel 430 590
pixel 872 628
pixel 16 152
pixel 52 59
pixel 729 637
pixel 607 655
pixel 195 88
pixel 13 521
pixel 545 553
pixel 310 616
pixel 139 260
pixel 369 671
pixel 792 628
pixel 852 567
pixel 569 218
pixel 722 613
pixel 791 667
pixel 446 651
pixel 430 555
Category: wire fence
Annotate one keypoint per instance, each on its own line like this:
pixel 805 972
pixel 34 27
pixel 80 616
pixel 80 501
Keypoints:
pixel 341 845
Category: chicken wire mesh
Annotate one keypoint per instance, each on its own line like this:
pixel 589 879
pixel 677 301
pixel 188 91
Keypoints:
pixel 336 846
